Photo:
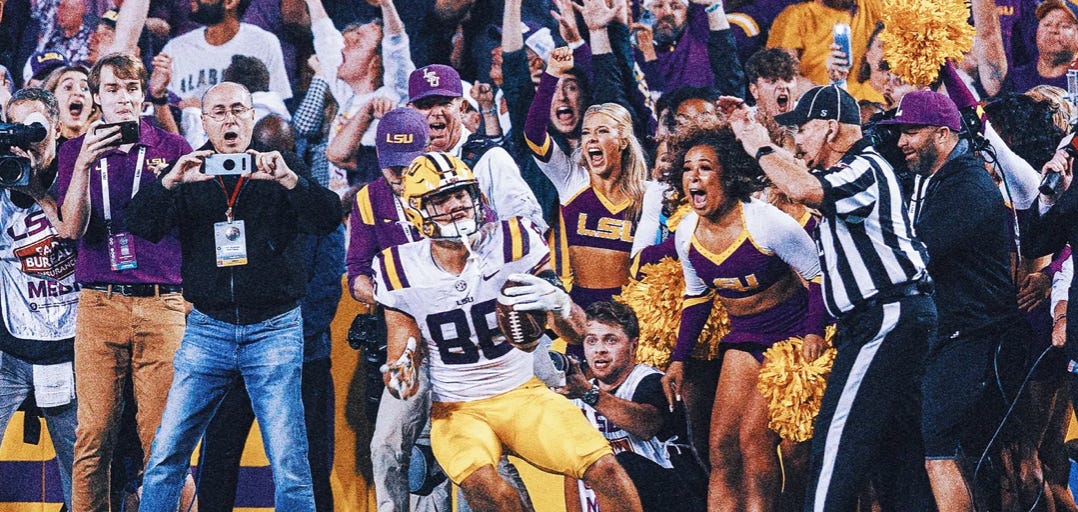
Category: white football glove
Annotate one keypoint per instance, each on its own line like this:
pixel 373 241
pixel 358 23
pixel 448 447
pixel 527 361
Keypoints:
pixel 402 376
pixel 536 294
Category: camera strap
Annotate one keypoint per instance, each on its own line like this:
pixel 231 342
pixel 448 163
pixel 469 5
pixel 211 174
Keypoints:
pixel 233 197
pixel 106 204
pixel 402 219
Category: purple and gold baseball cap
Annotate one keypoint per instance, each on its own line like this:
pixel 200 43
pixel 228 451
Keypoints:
pixel 43 62
pixel 402 135
pixel 434 80
pixel 927 108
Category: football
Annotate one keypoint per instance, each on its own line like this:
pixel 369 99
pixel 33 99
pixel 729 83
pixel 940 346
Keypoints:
pixel 522 329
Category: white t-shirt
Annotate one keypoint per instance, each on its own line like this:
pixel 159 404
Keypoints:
pixel 37 269
pixel 197 65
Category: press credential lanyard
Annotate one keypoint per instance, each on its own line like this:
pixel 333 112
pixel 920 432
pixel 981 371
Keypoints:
pixel 230 237
pixel 105 202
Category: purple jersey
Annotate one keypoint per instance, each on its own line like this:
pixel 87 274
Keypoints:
pixel 377 223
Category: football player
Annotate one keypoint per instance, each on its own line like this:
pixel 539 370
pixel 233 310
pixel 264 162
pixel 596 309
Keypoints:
pixel 444 289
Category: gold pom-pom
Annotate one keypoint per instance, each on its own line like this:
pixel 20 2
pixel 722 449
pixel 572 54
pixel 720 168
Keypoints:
pixel 919 36
pixel 675 218
pixel 656 300
pixel 794 387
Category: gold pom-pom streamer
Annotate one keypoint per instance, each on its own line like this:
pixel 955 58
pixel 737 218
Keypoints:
pixel 675 218
pixel 656 300
pixel 794 387
pixel 919 36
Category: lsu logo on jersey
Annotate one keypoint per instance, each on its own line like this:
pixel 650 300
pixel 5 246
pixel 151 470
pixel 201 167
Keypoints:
pixel 606 228
pixel 740 284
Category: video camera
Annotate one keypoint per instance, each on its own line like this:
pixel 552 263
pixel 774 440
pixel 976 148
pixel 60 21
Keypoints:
pixel 15 170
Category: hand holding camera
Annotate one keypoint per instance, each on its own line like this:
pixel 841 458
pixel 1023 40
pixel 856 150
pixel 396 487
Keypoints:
pixel 99 138
pixel 188 169
pixel 271 166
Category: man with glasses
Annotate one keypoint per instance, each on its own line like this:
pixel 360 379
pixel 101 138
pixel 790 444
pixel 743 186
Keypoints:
pixel 131 316
pixel 244 273
pixel 436 92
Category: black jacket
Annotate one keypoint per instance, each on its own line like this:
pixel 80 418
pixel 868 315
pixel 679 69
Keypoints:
pixel 968 232
pixel 274 278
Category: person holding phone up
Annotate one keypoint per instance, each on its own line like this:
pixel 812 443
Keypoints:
pixel 243 270
pixel 131 315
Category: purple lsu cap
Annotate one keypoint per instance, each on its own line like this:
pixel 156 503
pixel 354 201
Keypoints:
pixel 434 80
pixel 927 108
pixel 402 135
pixel 43 62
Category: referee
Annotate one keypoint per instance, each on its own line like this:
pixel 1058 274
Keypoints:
pixel 875 283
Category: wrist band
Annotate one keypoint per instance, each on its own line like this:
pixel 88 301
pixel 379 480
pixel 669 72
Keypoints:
pixel 159 101
pixel 491 111
pixel 713 7
pixel 1060 317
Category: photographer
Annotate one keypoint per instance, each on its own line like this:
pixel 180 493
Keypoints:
pixel 37 269
pixel 243 271
pixel 131 314
pixel 625 402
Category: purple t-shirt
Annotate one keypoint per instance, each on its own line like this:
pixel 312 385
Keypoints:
pixel 1018 26
pixel 157 263
pixel 683 64
pixel 1026 77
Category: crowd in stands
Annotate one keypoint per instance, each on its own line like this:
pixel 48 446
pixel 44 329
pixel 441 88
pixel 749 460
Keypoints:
pixel 685 195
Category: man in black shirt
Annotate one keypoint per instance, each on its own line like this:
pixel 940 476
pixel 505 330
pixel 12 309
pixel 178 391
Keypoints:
pixel 243 271
pixel 959 214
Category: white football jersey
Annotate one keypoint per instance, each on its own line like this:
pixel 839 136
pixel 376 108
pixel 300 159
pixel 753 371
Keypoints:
pixel 470 358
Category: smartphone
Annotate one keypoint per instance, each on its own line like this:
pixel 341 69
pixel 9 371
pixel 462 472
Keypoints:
pixel 129 132
pixel 841 33
pixel 230 164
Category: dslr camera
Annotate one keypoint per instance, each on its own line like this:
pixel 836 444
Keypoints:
pixel 15 170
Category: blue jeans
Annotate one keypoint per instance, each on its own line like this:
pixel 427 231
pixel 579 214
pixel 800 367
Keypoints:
pixel 16 382
pixel 269 357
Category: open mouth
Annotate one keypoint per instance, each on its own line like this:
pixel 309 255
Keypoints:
pixel 595 157
pixel 600 363
pixel 231 136
pixel 697 198
pixel 783 101
pixel 75 108
pixel 564 114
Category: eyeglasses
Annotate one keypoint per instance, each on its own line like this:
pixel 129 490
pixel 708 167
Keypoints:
pixel 221 115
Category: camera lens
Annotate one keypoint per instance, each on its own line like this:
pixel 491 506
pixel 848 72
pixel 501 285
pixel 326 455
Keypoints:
pixel 561 362
pixel 11 170
pixel 229 165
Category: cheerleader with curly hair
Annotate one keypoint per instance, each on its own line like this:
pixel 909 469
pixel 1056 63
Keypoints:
pixel 764 270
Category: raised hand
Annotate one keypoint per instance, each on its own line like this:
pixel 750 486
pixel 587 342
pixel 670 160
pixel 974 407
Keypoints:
pixel 597 13
pixel 566 17
pixel 483 94
pixel 162 75
pixel 561 62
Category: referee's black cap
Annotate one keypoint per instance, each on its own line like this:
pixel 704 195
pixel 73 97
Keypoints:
pixel 824 102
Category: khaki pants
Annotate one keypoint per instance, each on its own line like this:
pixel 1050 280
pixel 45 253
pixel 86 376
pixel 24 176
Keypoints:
pixel 117 336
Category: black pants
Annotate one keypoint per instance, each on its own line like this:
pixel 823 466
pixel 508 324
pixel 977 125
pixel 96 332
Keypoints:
pixel 660 489
pixel 869 426
pixel 222 446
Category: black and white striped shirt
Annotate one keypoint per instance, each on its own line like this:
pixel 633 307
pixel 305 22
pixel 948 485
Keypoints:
pixel 865 242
